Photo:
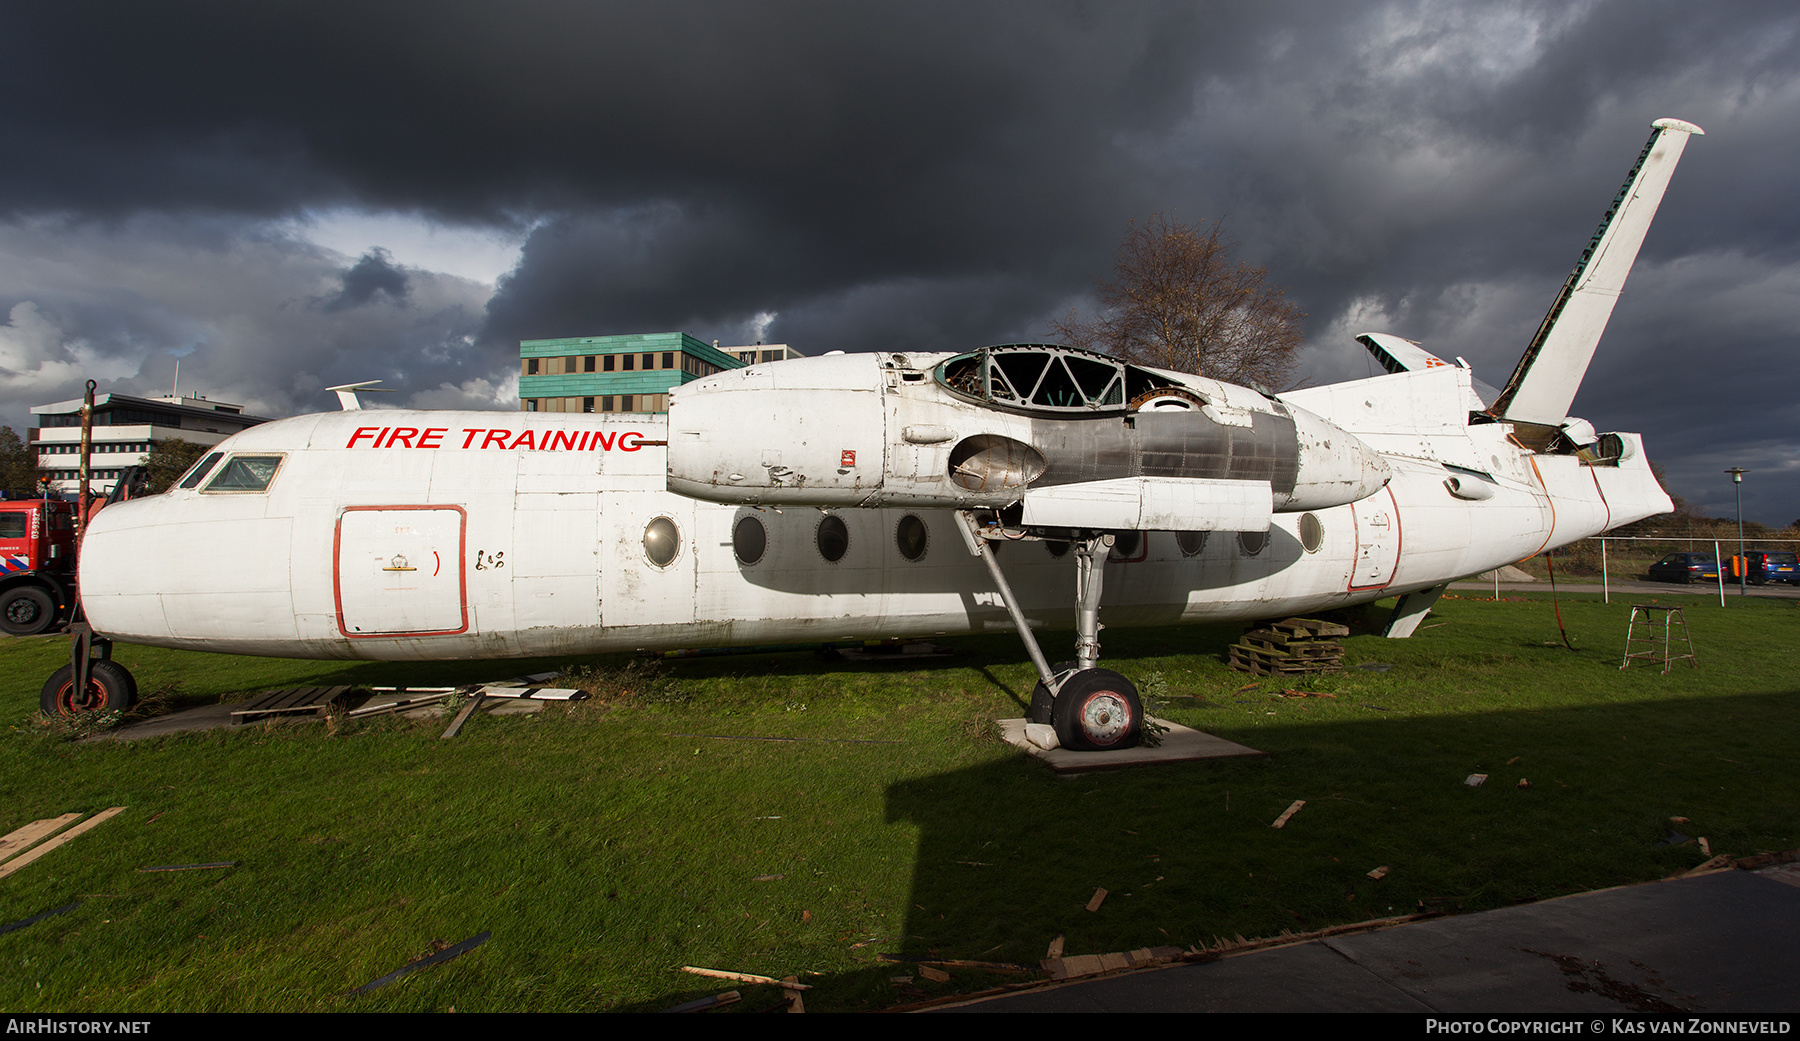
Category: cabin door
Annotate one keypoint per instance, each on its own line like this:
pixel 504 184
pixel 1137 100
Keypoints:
pixel 1377 540
pixel 399 571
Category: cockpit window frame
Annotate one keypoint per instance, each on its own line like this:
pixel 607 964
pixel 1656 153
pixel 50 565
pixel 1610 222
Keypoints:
pixel 228 467
pixel 191 480
pixel 995 376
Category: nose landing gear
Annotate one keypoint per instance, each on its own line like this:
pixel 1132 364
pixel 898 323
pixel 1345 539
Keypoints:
pixel 91 682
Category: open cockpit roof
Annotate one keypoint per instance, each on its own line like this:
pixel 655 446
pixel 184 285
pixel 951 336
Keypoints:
pixel 1038 377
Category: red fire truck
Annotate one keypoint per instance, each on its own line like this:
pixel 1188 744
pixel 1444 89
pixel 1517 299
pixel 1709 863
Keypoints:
pixel 37 565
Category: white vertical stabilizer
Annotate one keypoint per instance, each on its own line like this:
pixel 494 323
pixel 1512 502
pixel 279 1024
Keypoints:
pixel 1544 385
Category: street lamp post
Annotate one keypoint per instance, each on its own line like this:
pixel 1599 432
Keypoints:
pixel 1737 481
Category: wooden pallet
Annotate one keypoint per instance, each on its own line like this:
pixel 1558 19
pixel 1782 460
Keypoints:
pixel 1293 646
pixel 291 701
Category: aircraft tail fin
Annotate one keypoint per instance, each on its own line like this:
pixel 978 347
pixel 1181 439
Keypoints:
pixel 1543 386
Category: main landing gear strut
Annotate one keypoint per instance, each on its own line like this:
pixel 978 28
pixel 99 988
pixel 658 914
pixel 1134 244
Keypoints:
pixel 1092 709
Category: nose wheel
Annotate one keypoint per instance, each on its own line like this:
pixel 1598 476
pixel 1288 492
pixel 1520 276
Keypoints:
pixel 91 682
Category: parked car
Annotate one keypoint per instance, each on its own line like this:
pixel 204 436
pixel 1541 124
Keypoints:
pixel 1761 567
pixel 1685 567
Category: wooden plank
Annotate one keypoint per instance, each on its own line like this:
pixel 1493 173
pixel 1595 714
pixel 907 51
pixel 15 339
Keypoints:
pixel 20 839
pixel 396 706
pixel 743 977
pixel 1281 821
pixel 78 830
pixel 796 1001
pixel 539 693
pixel 468 710
pixel 290 701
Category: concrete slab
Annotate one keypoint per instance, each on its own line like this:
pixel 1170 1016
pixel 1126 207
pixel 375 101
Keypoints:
pixel 1180 744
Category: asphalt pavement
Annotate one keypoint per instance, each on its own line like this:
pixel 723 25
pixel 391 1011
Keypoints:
pixel 1721 942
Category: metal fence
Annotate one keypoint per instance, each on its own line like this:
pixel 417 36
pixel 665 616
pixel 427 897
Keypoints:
pixel 1626 558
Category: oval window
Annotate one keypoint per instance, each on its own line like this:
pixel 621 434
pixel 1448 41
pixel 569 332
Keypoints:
pixel 1125 545
pixel 1252 542
pixel 662 540
pixel 1191 542
pixel 833 538
pixel 749 539
pixel 1312 533
pixel 911 536
pixel 1057 549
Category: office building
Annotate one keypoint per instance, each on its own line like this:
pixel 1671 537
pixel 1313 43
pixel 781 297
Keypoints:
pixel 123 428
pixel 632 373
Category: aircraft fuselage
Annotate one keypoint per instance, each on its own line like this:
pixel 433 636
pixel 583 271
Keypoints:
pixel 442 535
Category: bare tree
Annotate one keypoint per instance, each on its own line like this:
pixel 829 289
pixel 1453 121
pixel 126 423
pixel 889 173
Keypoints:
pixel 1179 301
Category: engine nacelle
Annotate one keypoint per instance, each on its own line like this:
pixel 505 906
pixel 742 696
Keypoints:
pixel 1075 436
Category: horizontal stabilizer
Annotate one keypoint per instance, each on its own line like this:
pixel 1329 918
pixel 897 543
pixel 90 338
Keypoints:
pixel 1543 386
pixel 1152 504
pixel 1399 355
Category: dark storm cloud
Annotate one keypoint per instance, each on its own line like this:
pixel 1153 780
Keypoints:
pixel 238 306
pixel 374 273
pixel 919 176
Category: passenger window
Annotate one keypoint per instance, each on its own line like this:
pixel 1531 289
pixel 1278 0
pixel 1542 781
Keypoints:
pixel 201 469
pixel 12 525
pixel 662 540
pixel 912 537
pixel 749 540
pixel 833 538
pixel 1312 533
pixel 246 473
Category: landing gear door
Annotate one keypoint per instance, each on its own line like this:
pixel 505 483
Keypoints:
pixel 399 571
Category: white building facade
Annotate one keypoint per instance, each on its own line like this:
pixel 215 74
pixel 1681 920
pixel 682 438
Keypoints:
pixel 124 427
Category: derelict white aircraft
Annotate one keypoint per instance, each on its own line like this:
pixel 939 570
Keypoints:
pixel 882 495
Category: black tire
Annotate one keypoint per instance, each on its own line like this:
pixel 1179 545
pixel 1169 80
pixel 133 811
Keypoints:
pixel 110 688
pixel 1042 699
pixel 1098 711
pixel 26 611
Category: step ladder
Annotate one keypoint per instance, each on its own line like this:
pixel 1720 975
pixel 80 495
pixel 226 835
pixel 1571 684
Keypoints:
pixel 1653 646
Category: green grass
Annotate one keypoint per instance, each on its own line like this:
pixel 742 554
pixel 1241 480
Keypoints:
pixel 603 850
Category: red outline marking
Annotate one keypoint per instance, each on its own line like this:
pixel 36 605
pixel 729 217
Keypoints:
pixel 337 586
pixel 1399 544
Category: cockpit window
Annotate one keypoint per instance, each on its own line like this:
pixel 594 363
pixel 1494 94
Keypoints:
pixel 246 473
pixel 201 469
pixel 1046 377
